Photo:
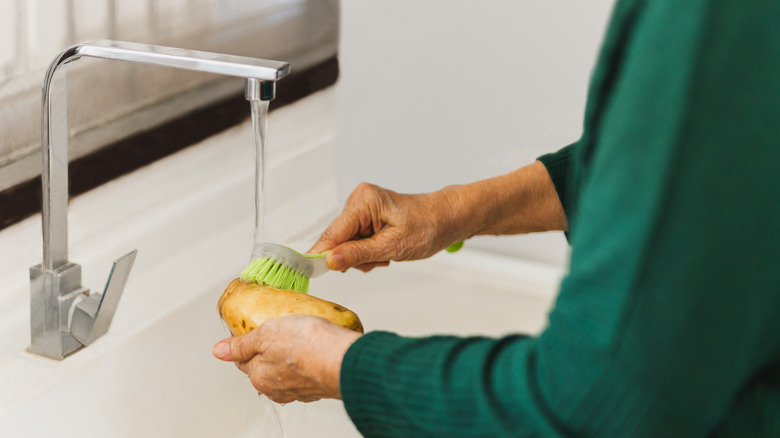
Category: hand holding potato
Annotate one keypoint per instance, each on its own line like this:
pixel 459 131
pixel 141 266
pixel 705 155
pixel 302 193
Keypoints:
pixel 290 344
pixel 295 357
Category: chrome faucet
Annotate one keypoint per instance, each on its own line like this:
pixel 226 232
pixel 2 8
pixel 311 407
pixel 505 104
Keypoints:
pixel 64 315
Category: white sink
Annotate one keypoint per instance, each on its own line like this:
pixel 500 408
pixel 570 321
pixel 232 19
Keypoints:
pixel 160 380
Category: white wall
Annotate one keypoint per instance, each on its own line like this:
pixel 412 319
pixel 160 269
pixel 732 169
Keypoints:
pixel 439 92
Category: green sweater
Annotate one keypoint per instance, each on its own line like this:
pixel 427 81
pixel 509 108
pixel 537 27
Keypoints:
pixel 668 323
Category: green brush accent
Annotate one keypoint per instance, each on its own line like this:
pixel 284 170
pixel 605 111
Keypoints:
pixel 269 272
pixel 272 272
pixel 455 246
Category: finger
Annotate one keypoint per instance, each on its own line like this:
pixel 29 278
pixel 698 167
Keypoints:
pixel 280 397
pixel 235 349
pixel 369 266
pixel 245 366
pixel 343 228
pixel 361 218
pixel 378 248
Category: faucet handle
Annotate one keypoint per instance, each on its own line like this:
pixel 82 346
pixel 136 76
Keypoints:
pixel 92 316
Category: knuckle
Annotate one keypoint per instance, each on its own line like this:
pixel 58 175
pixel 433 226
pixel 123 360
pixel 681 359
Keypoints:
pixel 358 194
pixel 244 346
pixel 364 187
pixel 368 193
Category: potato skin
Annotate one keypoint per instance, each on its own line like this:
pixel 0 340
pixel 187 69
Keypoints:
pixel 244 306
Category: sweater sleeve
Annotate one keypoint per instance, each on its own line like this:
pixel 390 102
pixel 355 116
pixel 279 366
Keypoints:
pixel 667 322
pixel 442 386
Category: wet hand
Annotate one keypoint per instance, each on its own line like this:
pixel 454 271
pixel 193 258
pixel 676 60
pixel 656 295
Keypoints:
pixel 291 358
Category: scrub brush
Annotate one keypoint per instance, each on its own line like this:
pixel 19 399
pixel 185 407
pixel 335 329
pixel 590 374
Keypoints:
pixel 283 267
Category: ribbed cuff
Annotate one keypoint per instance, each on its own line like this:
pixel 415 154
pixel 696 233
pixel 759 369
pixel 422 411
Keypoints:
pixel 559 166
pixel 359 377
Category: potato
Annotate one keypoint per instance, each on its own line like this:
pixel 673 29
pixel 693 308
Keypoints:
pixel 244 306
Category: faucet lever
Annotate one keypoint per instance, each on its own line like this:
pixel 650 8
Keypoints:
pixel 92 316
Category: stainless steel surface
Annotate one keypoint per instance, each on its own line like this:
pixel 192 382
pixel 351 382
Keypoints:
pixel 259 90
pixel 55 283
pixel 206 62
pixel 52 294
pixel 92 316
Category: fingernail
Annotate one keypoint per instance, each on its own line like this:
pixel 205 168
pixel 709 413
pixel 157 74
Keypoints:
pixel 221 350
pixel 337 262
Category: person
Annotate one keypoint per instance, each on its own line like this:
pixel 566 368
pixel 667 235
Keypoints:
pixel 667 321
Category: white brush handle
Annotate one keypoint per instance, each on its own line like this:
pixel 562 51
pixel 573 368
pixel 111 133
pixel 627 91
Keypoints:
pixel 310 266
pixel 318 265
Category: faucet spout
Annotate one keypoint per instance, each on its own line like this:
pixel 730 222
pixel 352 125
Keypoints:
pixel 62 320
pixel 259 90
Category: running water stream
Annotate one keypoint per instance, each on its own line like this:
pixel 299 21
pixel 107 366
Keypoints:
pixel 259 126
pixel 273 426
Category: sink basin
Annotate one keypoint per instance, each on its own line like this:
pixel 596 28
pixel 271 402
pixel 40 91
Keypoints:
pixel 161 380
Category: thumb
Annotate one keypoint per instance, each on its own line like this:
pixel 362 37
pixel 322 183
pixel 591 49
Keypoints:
pixel 235 349
pixel 378 248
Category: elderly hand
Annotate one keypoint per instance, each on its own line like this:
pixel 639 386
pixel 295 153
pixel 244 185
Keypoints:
pixel 291 358
pixel 380 225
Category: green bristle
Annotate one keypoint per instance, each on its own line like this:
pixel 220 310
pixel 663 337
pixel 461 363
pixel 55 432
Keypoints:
pixel 267 271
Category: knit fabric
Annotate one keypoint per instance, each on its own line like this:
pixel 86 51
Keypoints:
pixel 560 165
pixel 667 323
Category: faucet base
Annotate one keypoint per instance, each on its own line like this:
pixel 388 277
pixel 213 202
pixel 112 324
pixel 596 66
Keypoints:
pixel 51 299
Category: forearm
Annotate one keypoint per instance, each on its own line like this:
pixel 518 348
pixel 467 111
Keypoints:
pixel 523 201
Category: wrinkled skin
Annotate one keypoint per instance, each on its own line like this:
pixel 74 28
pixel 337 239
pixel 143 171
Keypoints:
pixel 294 357
pixel 379 225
